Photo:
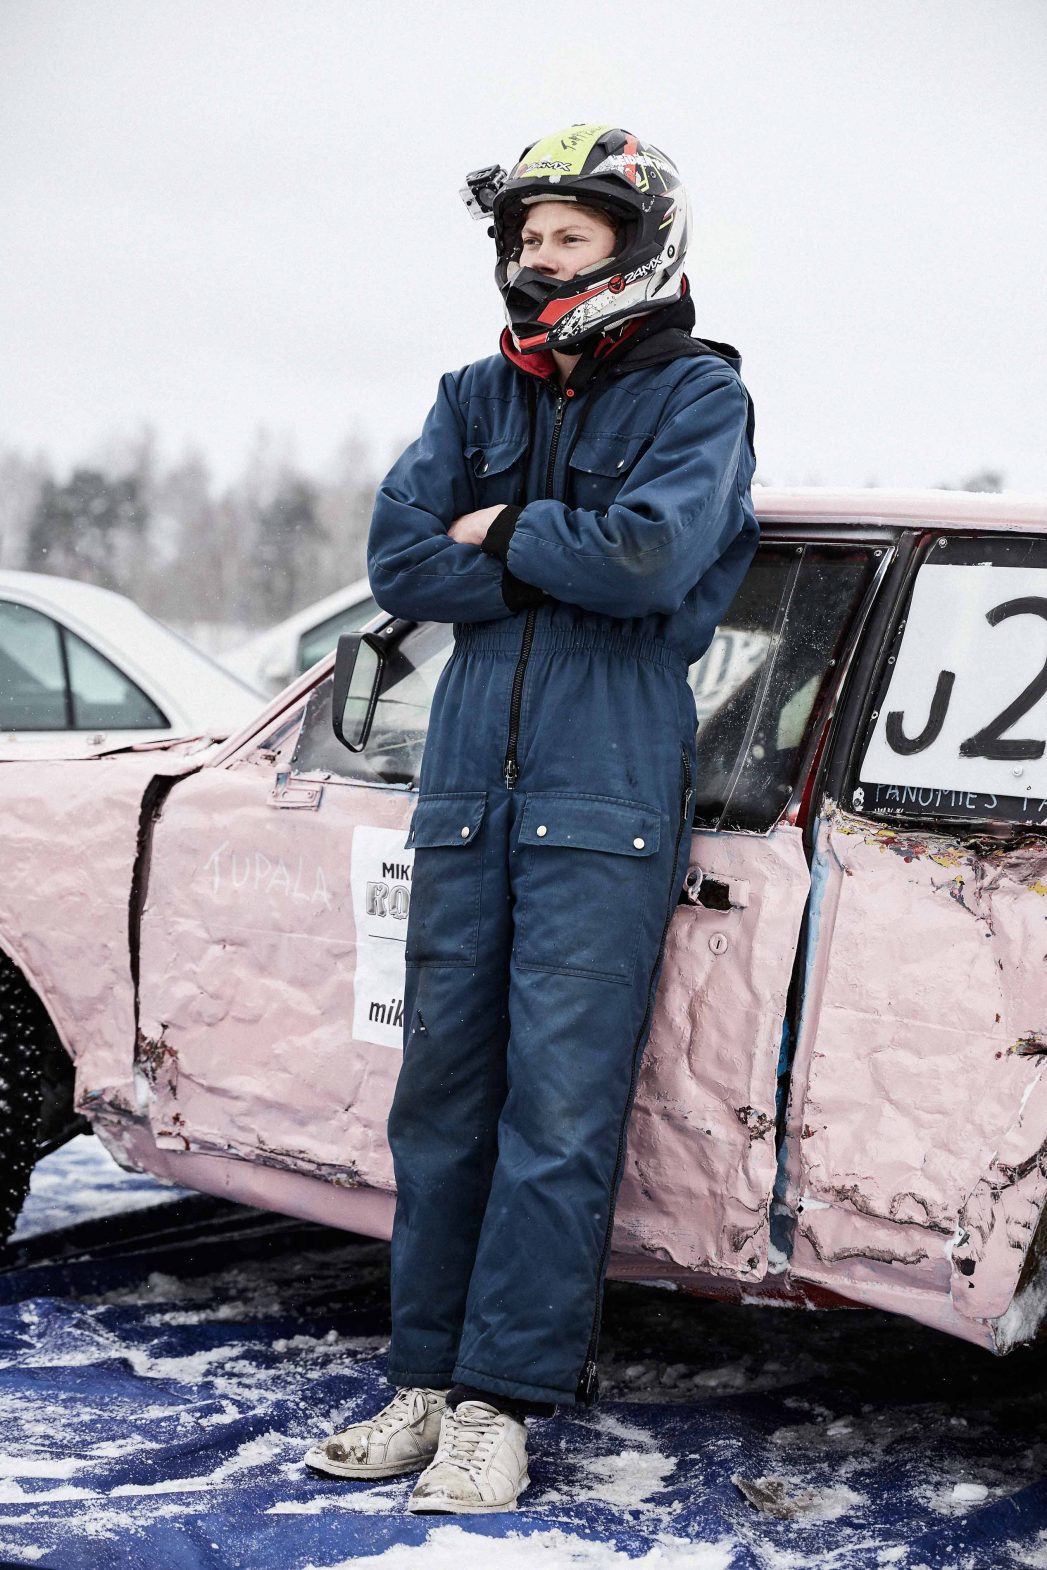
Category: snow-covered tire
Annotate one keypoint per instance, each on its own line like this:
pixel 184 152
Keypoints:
pixel 25 1036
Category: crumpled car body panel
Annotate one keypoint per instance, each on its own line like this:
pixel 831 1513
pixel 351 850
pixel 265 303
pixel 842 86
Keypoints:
pixel 251 1061
pixel 918 1110
pixel 70 835
pixel 248 963
pixel 250 957
pixel 701 1158
pixel 913 1157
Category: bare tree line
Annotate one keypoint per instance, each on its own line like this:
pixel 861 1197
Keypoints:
pixel 196 554
pixel 186 549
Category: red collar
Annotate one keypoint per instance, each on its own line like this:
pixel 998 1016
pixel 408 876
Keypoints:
pixel 541 363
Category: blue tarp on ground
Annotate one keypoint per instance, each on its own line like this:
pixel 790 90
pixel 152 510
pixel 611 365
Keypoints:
pixel 162 1369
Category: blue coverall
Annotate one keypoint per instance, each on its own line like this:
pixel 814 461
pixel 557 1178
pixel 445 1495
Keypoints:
pixel 552 828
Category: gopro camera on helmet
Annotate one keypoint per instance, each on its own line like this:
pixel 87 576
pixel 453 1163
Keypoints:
pixel 632 183
pixel 480 189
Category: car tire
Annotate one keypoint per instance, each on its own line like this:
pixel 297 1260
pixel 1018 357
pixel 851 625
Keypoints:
pixel 26 1035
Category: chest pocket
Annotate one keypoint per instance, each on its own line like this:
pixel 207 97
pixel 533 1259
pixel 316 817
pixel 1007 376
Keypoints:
pixel 497 470
pixel 598 466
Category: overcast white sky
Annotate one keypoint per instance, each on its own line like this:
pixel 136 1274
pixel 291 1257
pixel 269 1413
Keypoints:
pixel 221 214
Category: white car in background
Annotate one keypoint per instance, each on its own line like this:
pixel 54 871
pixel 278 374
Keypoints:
pixel 272 659
pixel 81 665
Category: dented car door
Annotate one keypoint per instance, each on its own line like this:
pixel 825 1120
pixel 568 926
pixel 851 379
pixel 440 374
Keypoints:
pixel 700 1173
pixel 918 1112
pixel 272 939
pixel 279 884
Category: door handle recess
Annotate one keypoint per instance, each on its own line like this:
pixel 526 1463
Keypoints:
pixel 714 893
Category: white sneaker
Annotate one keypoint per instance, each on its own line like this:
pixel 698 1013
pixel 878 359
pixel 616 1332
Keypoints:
pixel 481 1462
pixel 402 1437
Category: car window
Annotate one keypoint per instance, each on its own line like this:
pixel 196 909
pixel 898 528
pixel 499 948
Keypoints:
pixel 103 698
pixel 757 688
pixel 32 674
pixel 394 751
pixel 321 639
pixel 957 725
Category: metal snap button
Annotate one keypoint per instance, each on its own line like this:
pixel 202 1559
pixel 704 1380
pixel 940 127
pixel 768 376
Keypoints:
pixel 465 832
pixel 541 831
pixel 484 468
pixel 638 844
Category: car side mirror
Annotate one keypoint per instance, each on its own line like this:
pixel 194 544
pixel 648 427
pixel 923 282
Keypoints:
pixel 359 666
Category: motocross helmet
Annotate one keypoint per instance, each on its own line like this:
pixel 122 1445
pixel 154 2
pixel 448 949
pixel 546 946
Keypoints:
pixel 638 188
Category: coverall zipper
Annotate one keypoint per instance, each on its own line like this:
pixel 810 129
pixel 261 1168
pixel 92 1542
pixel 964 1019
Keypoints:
pixel 512 770
pixel 588 1384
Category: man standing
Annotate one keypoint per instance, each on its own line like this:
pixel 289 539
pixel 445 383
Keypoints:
pixel 578 505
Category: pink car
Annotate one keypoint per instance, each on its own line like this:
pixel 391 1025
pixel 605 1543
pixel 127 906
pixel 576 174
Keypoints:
pixel 843 1098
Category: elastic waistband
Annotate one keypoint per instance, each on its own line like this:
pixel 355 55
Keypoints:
pixel 503 640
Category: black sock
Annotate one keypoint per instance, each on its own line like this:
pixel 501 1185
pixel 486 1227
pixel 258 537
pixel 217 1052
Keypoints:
pixel 515 1406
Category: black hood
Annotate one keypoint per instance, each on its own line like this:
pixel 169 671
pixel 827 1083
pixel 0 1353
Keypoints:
pixel 664 335
pixel 668 335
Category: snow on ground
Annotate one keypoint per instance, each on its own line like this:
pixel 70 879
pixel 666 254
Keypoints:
pixel 453 1548
pixel 82 1182
pixel 165 1360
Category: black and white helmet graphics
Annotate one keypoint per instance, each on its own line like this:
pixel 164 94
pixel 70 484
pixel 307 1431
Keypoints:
pixel 639 188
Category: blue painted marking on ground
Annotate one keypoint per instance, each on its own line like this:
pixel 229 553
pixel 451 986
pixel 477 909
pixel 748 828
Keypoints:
pixel 163 1368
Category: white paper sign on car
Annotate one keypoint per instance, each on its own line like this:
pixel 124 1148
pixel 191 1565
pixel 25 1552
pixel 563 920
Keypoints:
pixel 380 876
pixel 966 708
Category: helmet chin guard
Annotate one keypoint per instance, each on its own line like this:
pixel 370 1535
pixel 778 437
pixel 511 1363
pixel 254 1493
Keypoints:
pixel 639 189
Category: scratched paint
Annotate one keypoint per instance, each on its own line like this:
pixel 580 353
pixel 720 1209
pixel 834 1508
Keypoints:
pixel 701 1158
pixel 250 974
pixel 917 1121
pixel 916 1127
pixel 70 831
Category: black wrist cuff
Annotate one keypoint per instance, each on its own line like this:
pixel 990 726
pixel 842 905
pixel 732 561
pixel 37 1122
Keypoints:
pixel 496 540
pixel 520 596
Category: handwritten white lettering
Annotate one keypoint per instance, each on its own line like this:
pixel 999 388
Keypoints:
pixel 233 872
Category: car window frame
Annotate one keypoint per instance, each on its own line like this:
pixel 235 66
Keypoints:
pixel 823 722
pixel 275 732
pixel 63 660
pixel 880 541
pixel 70 728
pixel 828 709
pixel 336 616
pixel 124 675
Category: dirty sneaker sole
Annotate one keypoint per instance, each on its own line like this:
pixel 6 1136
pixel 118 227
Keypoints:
pixel 442 1504
pixel 318 1461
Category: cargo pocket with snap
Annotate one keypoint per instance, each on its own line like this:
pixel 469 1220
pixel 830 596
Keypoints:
pixel 497 470
pixel 598 465
pixel 443 924
pixel 586 866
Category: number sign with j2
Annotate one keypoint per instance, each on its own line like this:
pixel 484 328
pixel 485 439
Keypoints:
pixel 966 705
